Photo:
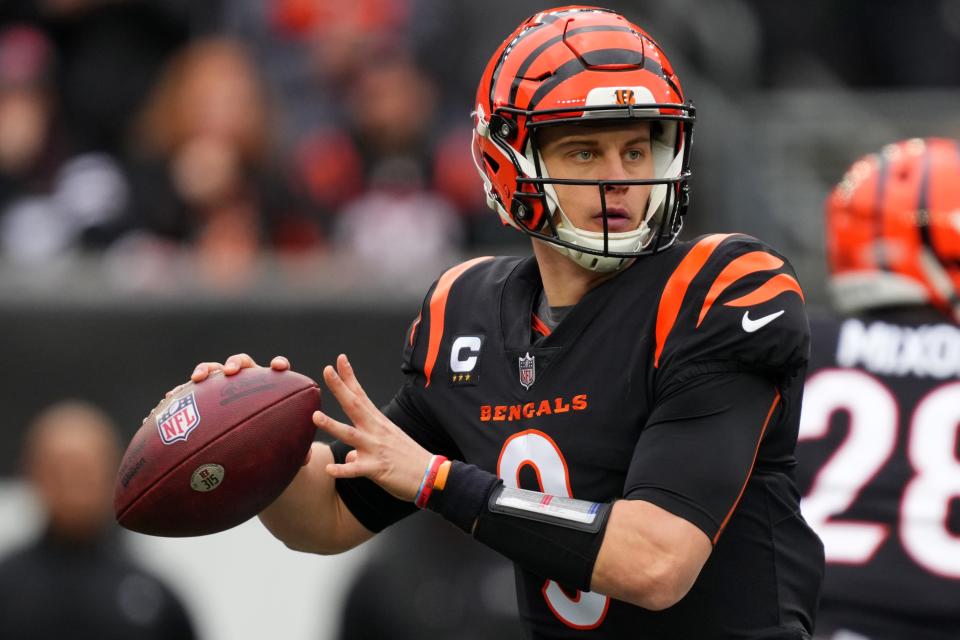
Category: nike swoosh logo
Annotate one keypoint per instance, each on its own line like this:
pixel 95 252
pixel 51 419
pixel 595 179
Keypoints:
pixel 750 325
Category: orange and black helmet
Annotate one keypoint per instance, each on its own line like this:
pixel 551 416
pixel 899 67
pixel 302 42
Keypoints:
pixel 893 228
pixel 579 64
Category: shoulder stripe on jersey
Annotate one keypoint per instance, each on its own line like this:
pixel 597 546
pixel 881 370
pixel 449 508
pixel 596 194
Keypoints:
pixel 743 266
pixel 413 328
pixel 763 432
pixel 676 287
pixel 539 325
pixel 769 290
pixel 438 307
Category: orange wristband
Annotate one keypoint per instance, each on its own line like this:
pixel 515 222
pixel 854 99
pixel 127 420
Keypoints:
pixel 442 474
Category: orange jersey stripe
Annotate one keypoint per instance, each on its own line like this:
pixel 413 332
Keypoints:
pixel 763 431
pixel 676 288
pixel 540 326
pixel 438 307
pixel 768 291
pixel 743 266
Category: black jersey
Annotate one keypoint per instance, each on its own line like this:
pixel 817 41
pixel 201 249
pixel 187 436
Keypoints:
pixel 880 474
pixel 619 401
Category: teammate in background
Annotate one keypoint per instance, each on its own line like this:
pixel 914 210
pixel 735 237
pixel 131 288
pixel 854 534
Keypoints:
pixel 878 435
pixel 76 580
pixel 617 414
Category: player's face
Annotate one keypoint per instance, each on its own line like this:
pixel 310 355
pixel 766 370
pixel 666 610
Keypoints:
pixel 610 152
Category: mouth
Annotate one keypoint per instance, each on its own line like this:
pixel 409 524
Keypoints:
pixel 618 220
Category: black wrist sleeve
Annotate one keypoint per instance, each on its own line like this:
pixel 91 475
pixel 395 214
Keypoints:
pixel 555 538
pixel 551 547
pixel 464 495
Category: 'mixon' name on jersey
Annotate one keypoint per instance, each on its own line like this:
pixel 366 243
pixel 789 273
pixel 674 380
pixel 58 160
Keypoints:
pixel 630 397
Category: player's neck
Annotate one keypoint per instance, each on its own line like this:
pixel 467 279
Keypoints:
pixel 564 281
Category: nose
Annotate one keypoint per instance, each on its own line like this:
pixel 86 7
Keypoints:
pixel 615 170
pixel 619 174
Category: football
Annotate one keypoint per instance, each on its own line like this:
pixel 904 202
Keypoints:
pixel 216 453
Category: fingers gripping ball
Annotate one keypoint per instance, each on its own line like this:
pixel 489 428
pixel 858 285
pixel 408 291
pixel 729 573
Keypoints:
pixel 216 453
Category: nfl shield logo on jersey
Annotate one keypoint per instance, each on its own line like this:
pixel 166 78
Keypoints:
pixel 178 420
pixel 528 370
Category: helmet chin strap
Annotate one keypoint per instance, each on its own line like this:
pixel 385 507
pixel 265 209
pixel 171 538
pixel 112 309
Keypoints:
pixel 618 242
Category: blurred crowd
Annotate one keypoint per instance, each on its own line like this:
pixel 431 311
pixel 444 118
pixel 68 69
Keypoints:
pixel 146 130
pixel 143 131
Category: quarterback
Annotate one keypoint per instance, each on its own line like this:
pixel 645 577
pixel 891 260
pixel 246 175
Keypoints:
pixel 616 413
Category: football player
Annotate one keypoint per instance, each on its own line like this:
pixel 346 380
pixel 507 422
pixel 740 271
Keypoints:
pixel 878 435
pixel 616 413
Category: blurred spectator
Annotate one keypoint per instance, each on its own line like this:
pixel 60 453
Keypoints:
pixel 398 189
pixel 48 199
pixel 309 50
pixel 76 580
pixel 203 173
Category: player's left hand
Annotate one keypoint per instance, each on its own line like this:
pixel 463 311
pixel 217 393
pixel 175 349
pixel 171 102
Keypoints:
pixel 381 450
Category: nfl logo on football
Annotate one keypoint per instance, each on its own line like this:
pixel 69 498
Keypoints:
pixel 180 418
pixel 528 370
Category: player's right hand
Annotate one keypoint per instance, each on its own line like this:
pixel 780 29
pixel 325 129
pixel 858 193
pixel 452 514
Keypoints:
pixel 233 365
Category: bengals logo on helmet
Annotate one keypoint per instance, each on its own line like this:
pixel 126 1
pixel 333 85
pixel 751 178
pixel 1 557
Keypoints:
pixel 625 96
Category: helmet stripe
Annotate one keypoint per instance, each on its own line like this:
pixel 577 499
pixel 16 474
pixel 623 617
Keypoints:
pixel 503 57
pixel 879 251
pixel 547 18
pixel 923 224
pixel 536 53
pixel 575 66
pixel 956 261
pixel 923 201
pixel 923 205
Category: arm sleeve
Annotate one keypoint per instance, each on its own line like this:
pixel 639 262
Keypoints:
pixel 699 447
